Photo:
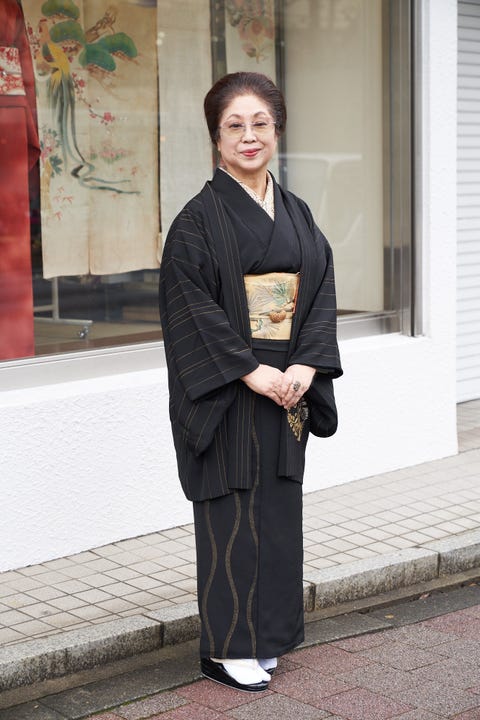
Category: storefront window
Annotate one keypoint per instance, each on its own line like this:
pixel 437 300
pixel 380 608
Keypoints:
pixel 103 141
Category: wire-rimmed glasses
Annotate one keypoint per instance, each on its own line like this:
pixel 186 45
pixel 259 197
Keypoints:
pixel 260 128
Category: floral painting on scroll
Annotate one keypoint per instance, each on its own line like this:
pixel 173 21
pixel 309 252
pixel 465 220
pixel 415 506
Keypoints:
pixel 96 77
pixel 254 21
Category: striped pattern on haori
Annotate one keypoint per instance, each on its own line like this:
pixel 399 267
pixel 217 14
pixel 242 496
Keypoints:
pixel 206 327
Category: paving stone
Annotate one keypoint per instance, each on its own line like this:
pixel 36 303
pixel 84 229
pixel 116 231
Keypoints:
pixel 116 606
pixel 414 715
pixel 13 617
pixel 473 714
pixel 63 620
pixel 145 708
pixel 418 636
pixel 400 656
pixel 216 696
pixel 361 642
pixel 46 593
pixel 461 675
pixel 190 712
pixel 8 635
pixel 458 650
pixel 33 627
pixel 71 587
pixel 40 610
pixel 142 582
pixel 93 596
pixel 438 698
pixel 378 678
pixel 90 612
pixel 75 572
pixel 30 711
pixel 274 707
pixel 328 660
pixel 359 703
pixel 456 624
pixel 307 685
pixel 285 664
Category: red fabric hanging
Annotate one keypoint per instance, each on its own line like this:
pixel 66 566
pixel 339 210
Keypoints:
pixel 19 150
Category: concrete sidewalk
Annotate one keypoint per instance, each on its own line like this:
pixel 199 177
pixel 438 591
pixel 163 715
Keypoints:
pixel 368 537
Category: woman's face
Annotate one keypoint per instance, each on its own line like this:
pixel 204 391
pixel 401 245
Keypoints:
pixel 248 154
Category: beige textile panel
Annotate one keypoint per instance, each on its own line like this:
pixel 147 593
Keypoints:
pixel 97 94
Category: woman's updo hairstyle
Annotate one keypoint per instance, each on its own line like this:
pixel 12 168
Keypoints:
pixel 243 83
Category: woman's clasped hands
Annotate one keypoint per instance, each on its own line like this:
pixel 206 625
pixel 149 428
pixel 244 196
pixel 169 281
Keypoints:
pixel 284 388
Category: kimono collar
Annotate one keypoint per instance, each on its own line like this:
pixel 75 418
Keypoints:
pixel 267 203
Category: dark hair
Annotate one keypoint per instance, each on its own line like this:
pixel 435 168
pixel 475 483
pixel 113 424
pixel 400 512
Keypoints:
pixel 243 83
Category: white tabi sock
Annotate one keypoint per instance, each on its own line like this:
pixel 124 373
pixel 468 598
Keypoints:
pixel 246 671
pixel 268 663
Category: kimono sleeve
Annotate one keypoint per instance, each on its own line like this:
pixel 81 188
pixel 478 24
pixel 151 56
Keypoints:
pixel 203 350
pixel 317 337
pixel 316 343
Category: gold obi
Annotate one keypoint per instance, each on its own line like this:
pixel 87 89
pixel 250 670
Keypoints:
pixel 11 82
pixel 271 302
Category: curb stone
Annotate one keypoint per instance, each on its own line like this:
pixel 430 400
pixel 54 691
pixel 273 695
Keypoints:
pixel 32 661
pixel 457 552
pixel 74 650
pixel 372 576
pixel 180 622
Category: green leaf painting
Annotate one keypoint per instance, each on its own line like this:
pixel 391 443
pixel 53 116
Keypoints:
pixel 67 47
pixel 66 8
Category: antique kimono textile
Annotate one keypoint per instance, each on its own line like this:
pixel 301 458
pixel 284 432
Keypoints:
pixel 96 78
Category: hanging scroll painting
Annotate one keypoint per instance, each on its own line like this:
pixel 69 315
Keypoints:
pixel 96 77
pixel 246 39
pixel 250 36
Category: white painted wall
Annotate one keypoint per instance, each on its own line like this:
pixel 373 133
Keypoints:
pixel 89 462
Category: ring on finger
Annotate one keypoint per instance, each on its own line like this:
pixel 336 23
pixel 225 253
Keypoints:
pixel 296 386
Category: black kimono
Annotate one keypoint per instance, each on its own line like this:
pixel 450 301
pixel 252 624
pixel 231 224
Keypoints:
pixel 238 459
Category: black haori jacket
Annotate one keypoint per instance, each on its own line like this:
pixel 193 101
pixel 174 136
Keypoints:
pixel 206 327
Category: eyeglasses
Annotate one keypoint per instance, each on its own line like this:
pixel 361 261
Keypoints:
pixel 260 128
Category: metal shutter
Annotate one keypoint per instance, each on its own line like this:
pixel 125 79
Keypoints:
pixel 468 202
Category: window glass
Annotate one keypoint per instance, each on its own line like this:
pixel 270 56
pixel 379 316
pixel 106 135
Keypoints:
pixel 103 141
pixel 334 85
pixel 345 69
pixel 88 88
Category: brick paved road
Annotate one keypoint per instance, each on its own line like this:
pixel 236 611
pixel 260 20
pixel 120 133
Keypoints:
pixel 422 671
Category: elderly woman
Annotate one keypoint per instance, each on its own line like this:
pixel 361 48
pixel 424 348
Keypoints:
pixel 247 301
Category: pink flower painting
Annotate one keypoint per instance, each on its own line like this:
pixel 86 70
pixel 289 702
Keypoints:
pixel 255 23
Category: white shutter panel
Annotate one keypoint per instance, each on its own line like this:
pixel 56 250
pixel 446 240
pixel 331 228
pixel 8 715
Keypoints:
pixel 468 202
